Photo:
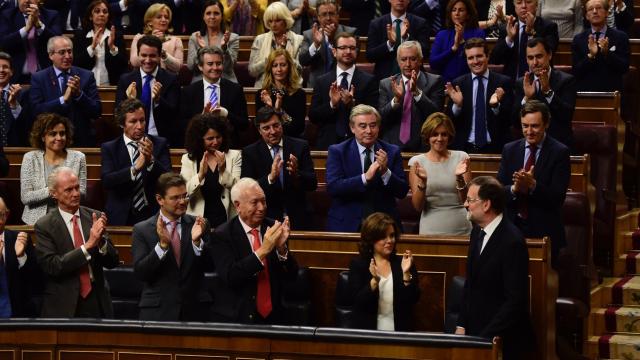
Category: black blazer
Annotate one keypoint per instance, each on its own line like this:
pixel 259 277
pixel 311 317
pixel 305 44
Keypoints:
pixel 420 8
pixel 321 113
pixel 24 283
pixel 116 65
pixel 231 98
pixel 292 198
pixel 4 163
pixel 18 129
pixel 295 105
pixel 166 112
pixel 377 50
pixel 508 56
pixel 562 105
pixel 363 12
pixel 116 177
pixel 60 262
pixel 171 293
pixel 365 301
pixel 603 73
pixel 497 124
pixel 238 267
pixel 552 172
pixel 496 296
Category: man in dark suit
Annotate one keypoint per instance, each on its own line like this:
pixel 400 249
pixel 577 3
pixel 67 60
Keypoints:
pixel 623 15
pixel 73 248
pixel 170 258
pixel 283 167
pixel 199 96
pixel 481 126
pixel 555 88
pixel 600 53
pixel 433 11
pixel 15 121
pixel 406 99
pixel 20 277
pixel 24 33
pixel 387 32
pixel 362 12
pixel 131 165
pixel 510 50
pixel 495 300
pixel 364 174
pixel 156 88
pixel 338 91
pixel 317 46
pixel 67 90
pixel 252 260
pixel 535 172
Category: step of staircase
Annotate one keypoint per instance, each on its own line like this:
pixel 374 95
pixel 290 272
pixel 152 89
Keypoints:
pixel 619 347
pixel 629 263
pixel 615 319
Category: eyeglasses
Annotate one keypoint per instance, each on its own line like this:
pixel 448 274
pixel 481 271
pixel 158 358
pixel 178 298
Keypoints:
pixel 4 214
pixel 345 47
pixel 471 200
pixel 62 52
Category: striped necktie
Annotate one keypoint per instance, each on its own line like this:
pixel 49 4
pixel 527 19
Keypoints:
pixel 213 97
pixel 139 200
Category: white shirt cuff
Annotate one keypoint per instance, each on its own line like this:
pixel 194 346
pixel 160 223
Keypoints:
pixel 386 176
pixel 22 260
pixel 160 252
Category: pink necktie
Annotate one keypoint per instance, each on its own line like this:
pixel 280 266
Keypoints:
pixel 263 298
pixel 175 241
pixel 405 124
pixel 32 58
pixel 85 280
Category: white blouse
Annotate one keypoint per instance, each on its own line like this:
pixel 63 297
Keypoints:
pixel 100 68
pixel 385 303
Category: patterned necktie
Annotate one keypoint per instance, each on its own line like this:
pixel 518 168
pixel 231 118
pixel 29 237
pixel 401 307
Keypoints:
pixel 276 150
pixel 344 83
pixel 145 97
pixel 378 8
pixel 213 97
pixel 85 280
pixel 480 115
pixel 405 123
pixel 5 116
pixel 139 200
pixel 263 296
pixel 436 25
pixel 175 241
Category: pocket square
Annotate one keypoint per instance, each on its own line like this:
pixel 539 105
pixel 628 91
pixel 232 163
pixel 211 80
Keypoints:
pixel 613 48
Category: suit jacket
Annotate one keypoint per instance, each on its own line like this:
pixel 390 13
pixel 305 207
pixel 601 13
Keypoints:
pixel 45 95
pixel 496 296
pixel 552 172
pixel 603 73
pixel 116 177
pixel 377 50
pixel 365 301
pixel 171 293
pixel 11 21
pixel 420 8
pixel 318 62
pixel 18 128
pixel 116 65
pixel 497 124
pixel 508 56
pixel 60 262
pixel 431 100
pixel 231 98
pixel 363 12
pixel 294 105
pixel 321 113
pixel 290 198
pixel 165 109
pixel 23 282
pixel 562 105
pixel 4 163
pixel 238 267
pixel 348 193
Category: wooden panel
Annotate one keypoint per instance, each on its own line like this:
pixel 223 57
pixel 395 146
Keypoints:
pixel 200 357
pixel 143 356
pixel 85 355
pixel 37 355
pixel 7 355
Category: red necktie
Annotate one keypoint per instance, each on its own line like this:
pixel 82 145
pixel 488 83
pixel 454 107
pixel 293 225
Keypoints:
pixel 523 206
pixel 263 300
pixel 85 280
pixel 175 241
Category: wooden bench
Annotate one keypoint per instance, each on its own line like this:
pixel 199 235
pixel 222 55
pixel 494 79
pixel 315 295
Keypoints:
pixel 438 259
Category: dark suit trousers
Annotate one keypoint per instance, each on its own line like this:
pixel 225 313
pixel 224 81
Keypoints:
pixel 89 307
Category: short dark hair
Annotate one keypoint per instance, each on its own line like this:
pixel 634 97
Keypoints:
pixel 213 50
pixel 374 228
pixel 198 127
pixel 151 41
pixel 205 5
pixel 125 107
pixel 169 180
pixel 87 24
pixel 265 114
pixel 533 42
pixel 45 122
pixel 7 57
pixel 490 189
pixel 345 34
pixel 475 43
pixel 535 106
pixel 472 14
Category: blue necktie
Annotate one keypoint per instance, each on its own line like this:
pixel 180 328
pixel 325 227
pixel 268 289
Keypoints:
pixel 65 78
pixel 328 57
pixel 480 114
pixel 522 52
pixel 276 150
pixel 145 97
pixel 5 301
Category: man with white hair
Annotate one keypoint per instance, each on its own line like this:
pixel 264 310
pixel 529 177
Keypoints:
pixel 73 248
pixel 252 260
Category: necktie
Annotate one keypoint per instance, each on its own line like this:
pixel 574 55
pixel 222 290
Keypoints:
pixel 328 57
pixel 394 64
pixel 175 241
pixel 213 97
pixel 145 97
pixel 5 116
pixel 64 76
pixel 276 150
pixel 32 57
pixel 597 35
pixel 378 8
pixel 405 123
pixel 5 300
pixel 263 296
pixel 343 119
pixel 367 159
pixel 480 115
pixel 436 25
pixel 481 236
pixel 139 200
pixel 531 160
pixel 523 204
pixel 344 83
pixel 522 52
pixel 85 280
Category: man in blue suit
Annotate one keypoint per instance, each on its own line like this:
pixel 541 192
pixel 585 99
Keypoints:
pixel 68 91
pixel 535 173
pixel 131 165
pixel 364 174
pixel 24 32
